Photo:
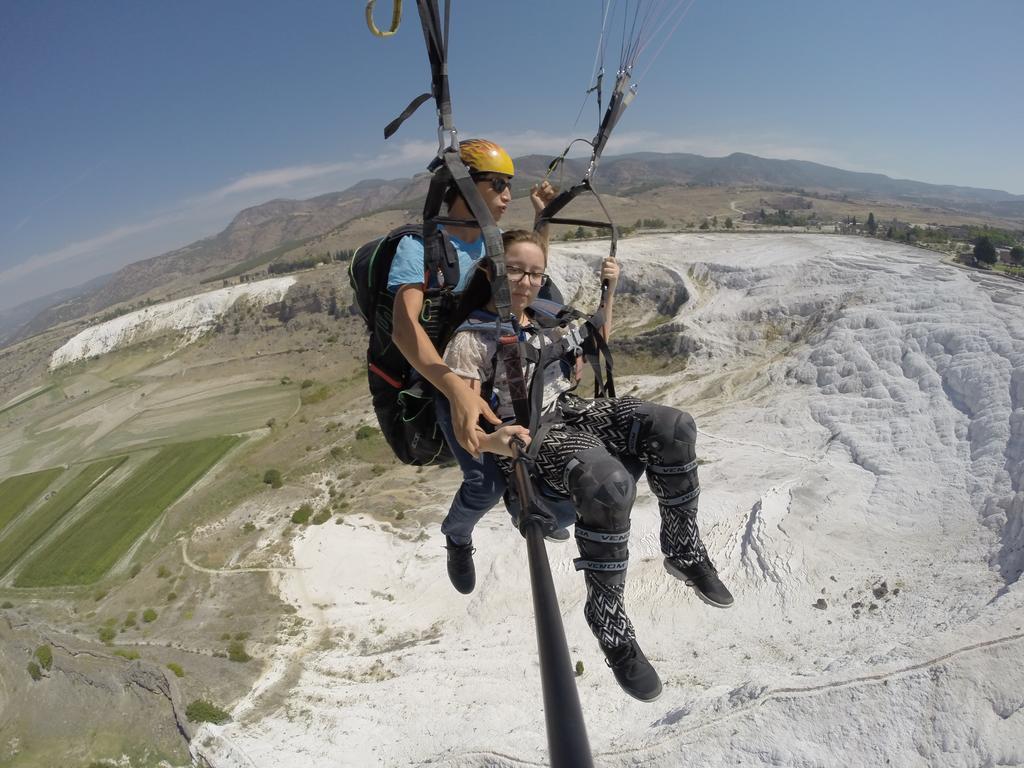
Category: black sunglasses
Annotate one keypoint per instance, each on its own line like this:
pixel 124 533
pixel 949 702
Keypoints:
pixel 498 183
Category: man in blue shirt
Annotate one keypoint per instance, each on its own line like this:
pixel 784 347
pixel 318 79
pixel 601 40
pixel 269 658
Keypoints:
pixel 461 407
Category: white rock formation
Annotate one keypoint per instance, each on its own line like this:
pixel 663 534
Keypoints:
pixel 862 416
pixel 190 317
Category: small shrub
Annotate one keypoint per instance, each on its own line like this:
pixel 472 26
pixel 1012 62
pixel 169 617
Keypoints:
pixel 130 655
pixel 365 432
pixel 272 477
pixel 106 634
pixel 176 669
pixel 34 672
pixel 241 636
pixel 320 394
pixel 136 568
pixel 149 615
pixel 44 655
pixel 226 636
pixel 249 527
pixel 306 383
pixel 162 572
pixel 7 604
pixel 129 620
pixel 302 514
pixel 202 711
pixel 172 596
pixel 271 422
pixel 237 652
pixel 100 594
pixel 579 667
pixel 322 516
pixel 337 451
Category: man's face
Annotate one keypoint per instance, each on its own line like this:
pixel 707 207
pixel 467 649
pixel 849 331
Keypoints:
pixel 496 191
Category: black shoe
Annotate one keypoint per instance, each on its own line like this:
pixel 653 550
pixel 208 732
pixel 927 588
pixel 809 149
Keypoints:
pixel 461 572
pixel 633 671
pixel 559 536
pixel 703 577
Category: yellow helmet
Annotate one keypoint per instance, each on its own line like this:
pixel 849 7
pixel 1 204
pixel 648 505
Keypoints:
pixel 484 156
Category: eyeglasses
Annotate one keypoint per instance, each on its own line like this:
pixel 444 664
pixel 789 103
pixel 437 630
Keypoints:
pixel 498 183
pixel 516 275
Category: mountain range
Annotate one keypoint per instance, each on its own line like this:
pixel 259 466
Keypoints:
pixel 261 233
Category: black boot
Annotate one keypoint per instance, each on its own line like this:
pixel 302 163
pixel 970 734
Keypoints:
pixel 703 577
pixel 605 610
pixel 461 572
pixel 633 671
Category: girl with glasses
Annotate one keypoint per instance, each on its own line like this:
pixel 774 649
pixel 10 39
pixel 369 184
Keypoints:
pixel 590 451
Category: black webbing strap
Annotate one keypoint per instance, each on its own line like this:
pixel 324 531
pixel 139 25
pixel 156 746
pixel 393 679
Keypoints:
pixel 509 345
pixel 436 251
pixel 436 38
pixel 394 125
pixel 550 214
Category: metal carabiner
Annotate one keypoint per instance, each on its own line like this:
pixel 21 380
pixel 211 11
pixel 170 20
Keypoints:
pixel 396 18
pixel 452 136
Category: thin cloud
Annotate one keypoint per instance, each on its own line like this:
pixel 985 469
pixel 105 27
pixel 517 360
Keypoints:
pixel 83 247
pixel 279 177
pixel 198 207
pixel 284 178
pixel 58 194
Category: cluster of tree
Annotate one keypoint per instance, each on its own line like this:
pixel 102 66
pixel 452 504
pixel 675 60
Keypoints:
pixel 283 267
pixel 580 234
pixel 911 233
pixel 985 251
pixel 1000 238
pixel 784 218
pixel 712 223
pixel 649 224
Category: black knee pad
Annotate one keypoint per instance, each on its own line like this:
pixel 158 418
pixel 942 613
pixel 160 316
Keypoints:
pixel 663 435
pixel 602 490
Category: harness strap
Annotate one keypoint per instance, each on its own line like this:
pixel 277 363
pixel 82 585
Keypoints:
pixel 508 347
pixel 394 125
pixel 602 537
pixel 660 470
pixel 681 499
pixel 607 566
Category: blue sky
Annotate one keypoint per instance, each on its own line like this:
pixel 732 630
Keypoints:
pixel 132 128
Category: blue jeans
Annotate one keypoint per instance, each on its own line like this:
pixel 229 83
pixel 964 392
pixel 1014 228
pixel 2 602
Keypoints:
pixel 483 483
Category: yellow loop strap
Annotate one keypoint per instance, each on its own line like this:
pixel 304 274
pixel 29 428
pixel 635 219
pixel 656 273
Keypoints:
pixel 396 18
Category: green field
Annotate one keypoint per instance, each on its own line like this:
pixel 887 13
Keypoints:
pixel 89 547
pixel 29 531
pixel 19 491
pixel 24 400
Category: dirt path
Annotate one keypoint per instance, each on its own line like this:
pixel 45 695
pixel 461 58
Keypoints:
pixel 202 569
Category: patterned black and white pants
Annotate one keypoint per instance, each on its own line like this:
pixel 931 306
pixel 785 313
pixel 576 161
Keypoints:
pixel 599 446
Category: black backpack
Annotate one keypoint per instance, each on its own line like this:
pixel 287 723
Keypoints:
pixel 402 399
